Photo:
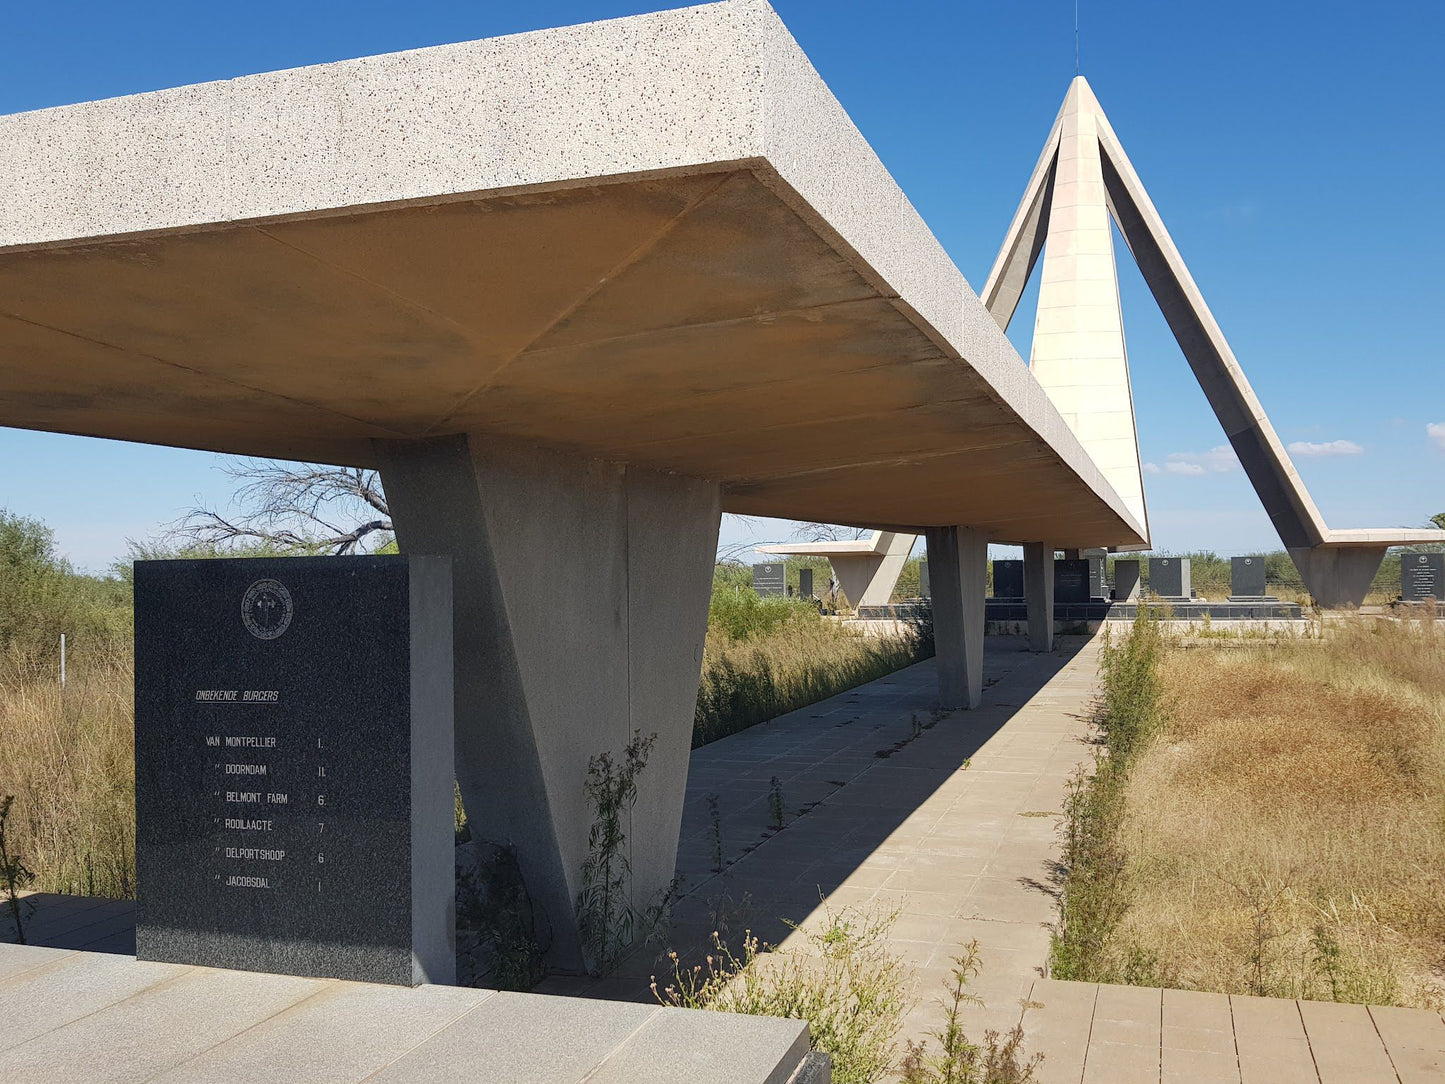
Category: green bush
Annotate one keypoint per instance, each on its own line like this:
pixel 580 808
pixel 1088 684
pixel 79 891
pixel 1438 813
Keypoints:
pixel 740 614
pixel 42 596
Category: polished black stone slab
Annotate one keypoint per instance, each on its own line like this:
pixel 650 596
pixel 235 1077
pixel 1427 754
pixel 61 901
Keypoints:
pixel 1422 576
pixel 1246 577
pixel 294 768
pixel 1008 579
pixel 1169 577
pixel 770 578
pixel 1071 582
pixel 805 583
pixel 1126 579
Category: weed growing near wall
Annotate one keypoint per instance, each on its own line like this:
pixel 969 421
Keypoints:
pixel 959 1060
pixel 605 909
pixel 1094 863
pixel 843 980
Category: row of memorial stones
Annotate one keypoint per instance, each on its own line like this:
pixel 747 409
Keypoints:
pixel 1422 576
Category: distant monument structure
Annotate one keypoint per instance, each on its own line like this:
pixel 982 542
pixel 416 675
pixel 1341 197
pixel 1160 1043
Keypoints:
pixel 1008 579
pixel 1169 578
pixel 1083 179
pixel 867 569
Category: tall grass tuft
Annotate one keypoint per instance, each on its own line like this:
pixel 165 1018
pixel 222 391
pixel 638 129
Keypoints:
pixel 1095 866
pixel 66 754
pixel 843 981
pixel 779 664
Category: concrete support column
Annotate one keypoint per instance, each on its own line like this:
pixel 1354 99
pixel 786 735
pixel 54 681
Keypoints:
pixel 958 574
pixel 1338 577
pixel 1039 594
pixel 581 596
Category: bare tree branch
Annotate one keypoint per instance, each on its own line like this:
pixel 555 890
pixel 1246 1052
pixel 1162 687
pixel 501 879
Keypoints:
pixel 310 507
pixel 827 532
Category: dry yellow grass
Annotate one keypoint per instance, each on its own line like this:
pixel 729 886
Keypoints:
pixel 1286 832
pixel 67 757
pixel 802 661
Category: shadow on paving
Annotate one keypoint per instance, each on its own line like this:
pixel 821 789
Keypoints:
pixel 851 770
pixel 52 920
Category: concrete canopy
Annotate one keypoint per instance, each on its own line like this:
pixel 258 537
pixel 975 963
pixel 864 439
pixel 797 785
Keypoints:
pixel 657 241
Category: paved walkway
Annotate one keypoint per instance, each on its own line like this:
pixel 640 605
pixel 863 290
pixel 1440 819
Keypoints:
pixel 953 821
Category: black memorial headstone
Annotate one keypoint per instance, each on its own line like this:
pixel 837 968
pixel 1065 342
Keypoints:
pixel 1097 559
pixel 1126 579
pixel 924 590
pixel 1422 577
pixel 294 766
pixel 770 579
pixel 1246 577
pixel 805 583
pixel 1008 579
pixel 1169 577
pixel 1071 581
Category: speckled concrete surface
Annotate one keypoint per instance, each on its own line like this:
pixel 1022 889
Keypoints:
pixel 711 90
pixel 72 1017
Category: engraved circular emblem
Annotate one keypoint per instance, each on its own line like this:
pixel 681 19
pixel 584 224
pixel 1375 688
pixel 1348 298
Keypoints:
pixel 266 609
pixel 1249 560
pixel 1423 559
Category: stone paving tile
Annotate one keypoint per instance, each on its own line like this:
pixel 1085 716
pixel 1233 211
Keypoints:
pixel 1346 1047
pixel 1271 1041
pixel 1415 1041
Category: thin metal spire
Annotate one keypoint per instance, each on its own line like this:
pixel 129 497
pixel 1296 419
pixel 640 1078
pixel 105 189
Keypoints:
pixel 1076 37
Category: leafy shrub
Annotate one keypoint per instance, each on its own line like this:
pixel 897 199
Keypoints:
pixel 843 981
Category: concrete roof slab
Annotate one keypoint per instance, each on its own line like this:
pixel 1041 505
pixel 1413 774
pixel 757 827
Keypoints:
pixel 657 239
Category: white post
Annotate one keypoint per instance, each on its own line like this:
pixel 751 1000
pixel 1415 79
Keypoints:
pixel 62 660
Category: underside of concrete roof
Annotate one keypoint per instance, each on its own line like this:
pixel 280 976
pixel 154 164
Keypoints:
pixel 657 240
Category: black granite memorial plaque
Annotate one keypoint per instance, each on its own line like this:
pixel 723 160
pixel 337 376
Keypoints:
pixel 805 583
pixel 924 590
pixel 1008 579
pixel 1126 579
pixel 1169 577
pixel 1097 588
pixel 770 579
pixel 1071 581
pixel 1246 577
pixel 1422 577
pixel 294 766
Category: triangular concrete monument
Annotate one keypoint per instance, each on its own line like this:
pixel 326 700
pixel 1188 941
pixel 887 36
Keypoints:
pixel 867 568
pixel 1082 178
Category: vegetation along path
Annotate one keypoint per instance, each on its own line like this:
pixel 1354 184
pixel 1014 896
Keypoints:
pixel 955 822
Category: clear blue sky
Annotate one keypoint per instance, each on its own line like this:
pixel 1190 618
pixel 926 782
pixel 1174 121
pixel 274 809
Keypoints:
pixel 1293 149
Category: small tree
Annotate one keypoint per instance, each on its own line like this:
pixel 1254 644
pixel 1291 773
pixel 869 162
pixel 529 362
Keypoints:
pixel 1438 519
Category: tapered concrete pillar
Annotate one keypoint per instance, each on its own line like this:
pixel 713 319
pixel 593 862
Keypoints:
pixel 581 595
pixel 1039 594
pixel 1339 577
pixel 958 574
